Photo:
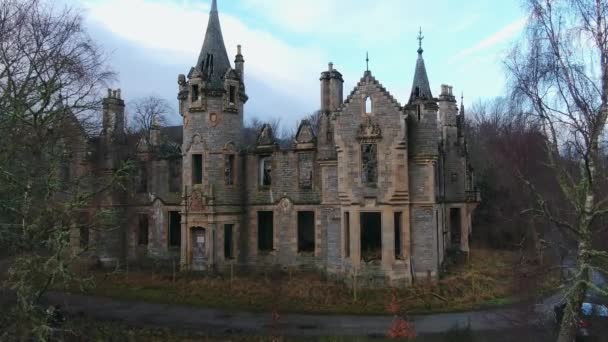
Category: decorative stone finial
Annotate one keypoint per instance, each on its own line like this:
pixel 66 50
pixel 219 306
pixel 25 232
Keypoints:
pixel 420 39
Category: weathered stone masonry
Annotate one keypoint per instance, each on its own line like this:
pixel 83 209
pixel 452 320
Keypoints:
pixel 379 189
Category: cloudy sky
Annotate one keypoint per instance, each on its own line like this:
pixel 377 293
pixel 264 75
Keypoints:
pixel 287 43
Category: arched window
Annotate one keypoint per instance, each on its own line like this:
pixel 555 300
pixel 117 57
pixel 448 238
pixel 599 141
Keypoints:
pixel 368 105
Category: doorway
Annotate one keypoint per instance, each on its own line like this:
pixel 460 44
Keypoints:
pixel 371 237
pixel 455 227
pixel 199 249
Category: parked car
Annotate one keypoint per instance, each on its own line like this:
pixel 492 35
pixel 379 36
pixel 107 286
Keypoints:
pixel 593 323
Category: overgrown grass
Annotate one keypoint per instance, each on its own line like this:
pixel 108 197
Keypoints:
pixel 490 279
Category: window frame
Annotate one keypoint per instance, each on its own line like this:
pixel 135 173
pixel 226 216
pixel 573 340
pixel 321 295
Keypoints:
pixel 229 253
pixel 263 161
pixel 302 250
pixel 197 169
pixel 364 174
pixel 140 223
pixel 262 247
pixel 232 95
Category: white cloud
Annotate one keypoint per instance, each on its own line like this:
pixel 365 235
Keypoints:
pixel 363 20
pixel 505 34
pixel 175 32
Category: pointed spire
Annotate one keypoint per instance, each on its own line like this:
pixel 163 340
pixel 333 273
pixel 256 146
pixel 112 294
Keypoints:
pixel 421 88
pixel 462 104
pixel 461 119
pixel 367 61
pixel 213 62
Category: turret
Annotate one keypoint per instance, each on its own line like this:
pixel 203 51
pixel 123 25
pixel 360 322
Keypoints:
pixel 113 114
pixel 422 103
pixel 212 97
pixel 421 89
pixel 422 110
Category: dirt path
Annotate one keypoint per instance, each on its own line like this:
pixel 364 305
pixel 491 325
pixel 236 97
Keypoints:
pixel 220 322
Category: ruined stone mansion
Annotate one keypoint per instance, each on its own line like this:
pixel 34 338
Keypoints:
pixel 378 187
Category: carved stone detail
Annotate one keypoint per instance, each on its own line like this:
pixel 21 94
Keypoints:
pixel 266 136
pixel 369 129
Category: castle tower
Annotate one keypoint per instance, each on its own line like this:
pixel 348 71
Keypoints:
pixel 211 99
pixel 424 165
pixel 422 110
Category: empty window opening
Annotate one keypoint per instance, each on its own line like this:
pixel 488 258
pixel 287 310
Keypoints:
pixel 142 178
pixel 195 94
pixel 175 229
pixel 265 171
pixel 83 230
pixel 418 110
pixel 369 164
pixel 228 241
pixel 197 169
pixel 142 232
pixel 455 227
pixel 175 175
pixel 229 169
pixel 232 94
pixel 265 231
pixel 398 232
pixel 371 237
pixel 417 91
pixel 368 105
pixel 305 169
pixel 347 235
pixel 306 231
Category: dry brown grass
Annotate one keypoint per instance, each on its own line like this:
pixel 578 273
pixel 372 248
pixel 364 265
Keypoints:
pixel 491 278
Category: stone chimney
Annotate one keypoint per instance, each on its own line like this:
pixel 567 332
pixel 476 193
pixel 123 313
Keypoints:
pixel 113 113
pixel 332 89
pixel 239 63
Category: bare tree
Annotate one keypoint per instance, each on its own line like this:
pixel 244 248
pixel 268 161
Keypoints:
pixel 255 124
pixel 554 71
pixel 51 74
pixel 148 112
pixel 315 121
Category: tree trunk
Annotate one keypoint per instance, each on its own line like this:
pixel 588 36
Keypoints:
pixel 574 300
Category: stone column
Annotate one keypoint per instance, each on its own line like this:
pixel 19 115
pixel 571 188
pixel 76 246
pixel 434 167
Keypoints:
pixel 465 222
pixel 388 238
pixel 406 227
pixel 355 237
pixel 185 244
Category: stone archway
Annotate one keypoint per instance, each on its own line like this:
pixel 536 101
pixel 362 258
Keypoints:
pixel 200 249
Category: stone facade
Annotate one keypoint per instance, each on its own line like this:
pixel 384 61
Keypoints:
pixel 378 189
